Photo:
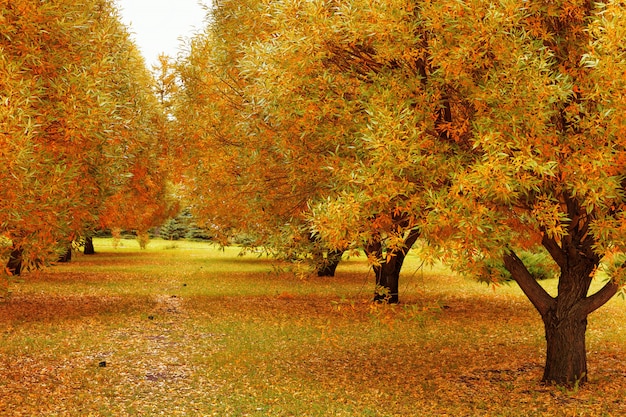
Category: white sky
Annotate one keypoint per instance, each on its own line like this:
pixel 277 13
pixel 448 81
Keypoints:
pixel 158 25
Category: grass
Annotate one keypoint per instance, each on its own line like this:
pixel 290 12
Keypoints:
pixel 195 331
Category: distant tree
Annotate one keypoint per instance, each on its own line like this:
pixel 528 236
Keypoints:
pixel 89 248
pixel 238 180
pixel 184 226
pixel 166 82
pixel 175 228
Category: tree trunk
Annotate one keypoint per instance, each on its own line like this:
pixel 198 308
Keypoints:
pixel 564 316
pixel 326 260
pixel 328 265
pixel 388 279
pixel 566 355
pixel 67 256
pixel 89 249
pixel 565 322
pixel 14 265
pixel 388 270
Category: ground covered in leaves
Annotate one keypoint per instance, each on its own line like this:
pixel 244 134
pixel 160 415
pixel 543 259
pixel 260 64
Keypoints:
pixel 194 331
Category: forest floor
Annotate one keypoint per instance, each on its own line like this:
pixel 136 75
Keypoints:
pixel 187 329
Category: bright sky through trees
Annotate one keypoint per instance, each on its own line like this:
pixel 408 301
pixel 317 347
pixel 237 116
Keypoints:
pixel 158 26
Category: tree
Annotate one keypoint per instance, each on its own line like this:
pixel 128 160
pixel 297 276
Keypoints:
pixel 240 177
pixel 166 83
pixel 144 199
pixel 545 82
pixel 70 109
pixel 89 248
pixel 353 81
pixel 272 126
pixel 141 197
pixel 485 127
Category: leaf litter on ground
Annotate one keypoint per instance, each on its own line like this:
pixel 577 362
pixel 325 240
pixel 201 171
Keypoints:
pixel 269 344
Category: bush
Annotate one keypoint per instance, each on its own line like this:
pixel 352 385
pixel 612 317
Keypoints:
pixel 196 233
pixel 244 239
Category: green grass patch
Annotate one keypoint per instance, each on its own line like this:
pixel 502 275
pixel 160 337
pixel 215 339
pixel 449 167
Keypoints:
pixel 194 330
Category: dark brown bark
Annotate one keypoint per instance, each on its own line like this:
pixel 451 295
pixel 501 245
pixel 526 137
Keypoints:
pixel 66 256
pixel 326 260
pixel 388 271
pixel 566 321
pixel 89 249
pixel 535 292
pixel 566 355
pixel 597 300
pixel 554 250
pixel 388 279
pixel 565 316
pixel 328 266
pixel 14 264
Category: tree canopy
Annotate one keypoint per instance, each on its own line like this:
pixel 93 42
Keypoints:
pixel 76 110
pixel 484 127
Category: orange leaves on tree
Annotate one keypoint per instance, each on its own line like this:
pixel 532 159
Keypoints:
pixel 69 76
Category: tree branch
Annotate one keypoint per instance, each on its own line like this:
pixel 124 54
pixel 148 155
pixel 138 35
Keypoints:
pixel 529 285
pixel 554 250
pixel 410 240
pixel 597 300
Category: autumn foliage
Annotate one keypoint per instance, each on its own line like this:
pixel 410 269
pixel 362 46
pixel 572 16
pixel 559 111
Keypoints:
pixel 483 128
pixel 77 122
pixel 315 127
pixel 548 145
pixel 245 173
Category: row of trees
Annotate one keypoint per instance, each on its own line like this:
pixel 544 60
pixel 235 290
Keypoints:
pixel 81 132
pixel 482 128
pixel 322 126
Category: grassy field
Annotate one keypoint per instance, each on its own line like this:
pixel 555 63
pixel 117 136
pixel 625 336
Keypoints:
pixel 190 330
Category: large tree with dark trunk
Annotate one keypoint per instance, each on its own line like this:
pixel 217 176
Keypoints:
pixel 545 83
pixel 358 111
pixel 565 316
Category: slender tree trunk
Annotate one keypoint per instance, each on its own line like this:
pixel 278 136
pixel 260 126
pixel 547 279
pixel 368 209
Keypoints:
pixel 67 256
pixel 387 272
pixel 328 265
pixel 14 265
pixel 89 249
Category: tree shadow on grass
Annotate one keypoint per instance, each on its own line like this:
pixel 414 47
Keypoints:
pixel 52 308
